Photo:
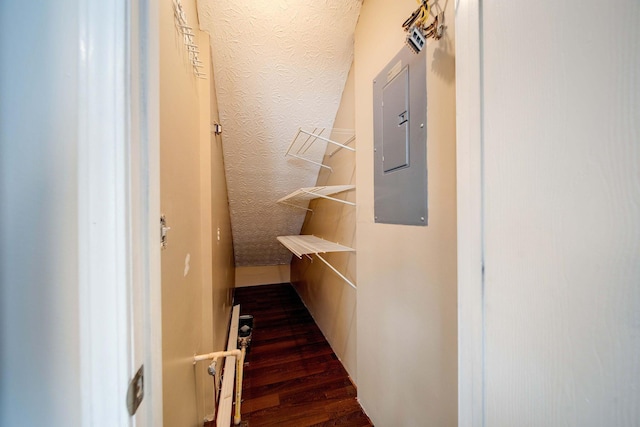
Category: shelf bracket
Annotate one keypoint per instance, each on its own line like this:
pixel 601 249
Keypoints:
pixel 304 140
pixel 311 245
pixel 328 197
pixel 337 272
pixel 295 206
pixel 311 161
pixel 330 141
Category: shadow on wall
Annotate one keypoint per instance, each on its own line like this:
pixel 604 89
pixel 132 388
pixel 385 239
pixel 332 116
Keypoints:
pixel 443 62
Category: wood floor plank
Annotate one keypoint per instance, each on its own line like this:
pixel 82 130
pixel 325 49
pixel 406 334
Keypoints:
pixel 320 382
pixel 260 403
pixel 291 376
pixel 307 351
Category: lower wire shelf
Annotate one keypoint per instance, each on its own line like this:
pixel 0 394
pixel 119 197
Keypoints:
pixel 312 245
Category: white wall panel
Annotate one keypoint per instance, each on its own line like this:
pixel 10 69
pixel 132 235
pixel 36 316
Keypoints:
pixel 561 213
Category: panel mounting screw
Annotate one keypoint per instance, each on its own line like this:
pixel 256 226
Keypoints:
pixel 422 218
pixel 421 125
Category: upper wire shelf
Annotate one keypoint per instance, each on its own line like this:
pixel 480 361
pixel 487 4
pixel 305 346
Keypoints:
pixel 300 147
pixel 300 198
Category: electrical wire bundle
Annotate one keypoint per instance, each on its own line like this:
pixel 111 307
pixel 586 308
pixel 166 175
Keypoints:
pixel 417 28
pixel 419 16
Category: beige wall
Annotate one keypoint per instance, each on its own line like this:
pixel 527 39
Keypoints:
pixel 407 333
pixel 262 275
pixel 222 259
pixel 331 301
pixel 197 266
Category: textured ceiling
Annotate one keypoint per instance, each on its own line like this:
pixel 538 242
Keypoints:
pixel 278 65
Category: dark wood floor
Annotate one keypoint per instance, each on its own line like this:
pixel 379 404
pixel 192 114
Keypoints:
pixel 292 377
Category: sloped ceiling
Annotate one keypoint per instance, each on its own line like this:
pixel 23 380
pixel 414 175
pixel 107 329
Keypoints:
pixel 278 65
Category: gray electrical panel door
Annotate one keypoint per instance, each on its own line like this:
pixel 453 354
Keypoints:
pixel 395 120
pixel 400 140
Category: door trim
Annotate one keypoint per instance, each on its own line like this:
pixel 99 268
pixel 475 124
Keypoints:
pixel 149 41
pixel 103 154
pixel 118 146
pixel 469 166
pixel 145 125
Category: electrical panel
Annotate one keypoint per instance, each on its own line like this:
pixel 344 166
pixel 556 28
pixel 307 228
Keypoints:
pixel 400 140
pixel 395 121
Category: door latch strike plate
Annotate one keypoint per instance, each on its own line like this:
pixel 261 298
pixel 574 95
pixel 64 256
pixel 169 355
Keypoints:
pixel 163 232
pixel 135 393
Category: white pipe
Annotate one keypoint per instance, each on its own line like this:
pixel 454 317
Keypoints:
pixel 215 355
pixel 239 374
pixel 239 355
pixel 212 372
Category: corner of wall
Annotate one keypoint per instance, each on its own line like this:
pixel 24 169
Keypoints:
pixel 262 275
pixel 407 275
pixel 197 265
pixel 330 300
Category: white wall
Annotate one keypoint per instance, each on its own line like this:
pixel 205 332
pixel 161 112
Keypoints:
pixel 561 218
pixel 67 340
pixel 39 335
pixel 406 275
pixel 222 258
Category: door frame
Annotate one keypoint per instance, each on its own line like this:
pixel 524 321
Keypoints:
pixel 104 27
pixel 118 210
pixel 469 166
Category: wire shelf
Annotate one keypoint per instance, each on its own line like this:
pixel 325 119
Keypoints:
pixel 306 244
pixel 312 245
pixel 301 197
pixel 301 146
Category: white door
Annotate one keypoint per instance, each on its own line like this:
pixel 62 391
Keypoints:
pixel 549 158
pixel 119 214
pixel 145 296
pixel 79 254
